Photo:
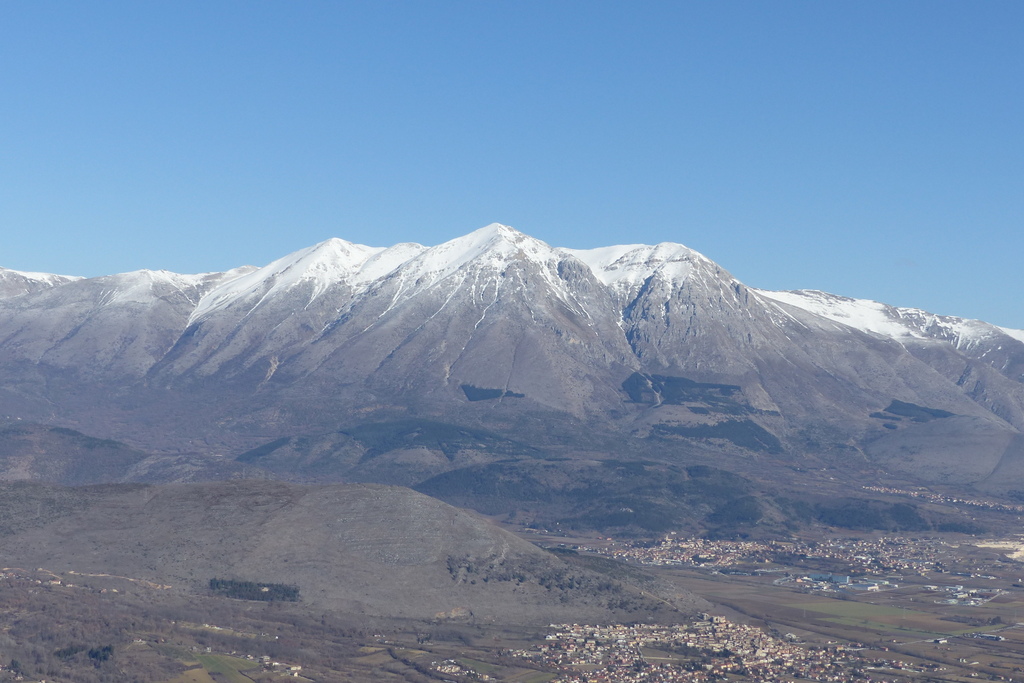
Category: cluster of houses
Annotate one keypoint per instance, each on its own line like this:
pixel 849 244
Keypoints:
pixel 835 582
pixel 944 499
pixel 971 597
pixel 710 649
pixel 872 556
pixel 699 552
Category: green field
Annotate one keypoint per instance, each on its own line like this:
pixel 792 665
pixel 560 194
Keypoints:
pixel 193 676
pixel 532 677
pixel 850 608
pixel 881 618
pixel 229 667
pixel 904 631
pixel 478 666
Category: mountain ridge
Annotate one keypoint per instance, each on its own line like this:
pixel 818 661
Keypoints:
pixel 614 266
pixel 496 329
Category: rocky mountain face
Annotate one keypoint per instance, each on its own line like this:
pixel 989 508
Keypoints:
pixel 592 351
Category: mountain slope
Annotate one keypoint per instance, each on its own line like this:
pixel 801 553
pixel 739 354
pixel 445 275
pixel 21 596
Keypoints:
pixel 494 309
pixel 498 330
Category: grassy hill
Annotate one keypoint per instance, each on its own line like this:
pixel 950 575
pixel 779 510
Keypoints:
pixel 362 549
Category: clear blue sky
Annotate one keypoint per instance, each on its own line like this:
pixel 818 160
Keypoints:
pixel 872 149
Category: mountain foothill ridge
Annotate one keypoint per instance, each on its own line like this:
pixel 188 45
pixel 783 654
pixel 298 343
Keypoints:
pixel 348 547
pixel 498 329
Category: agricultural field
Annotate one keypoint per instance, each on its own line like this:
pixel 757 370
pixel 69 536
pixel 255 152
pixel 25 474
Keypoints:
pixel 194 676
pixel 230 668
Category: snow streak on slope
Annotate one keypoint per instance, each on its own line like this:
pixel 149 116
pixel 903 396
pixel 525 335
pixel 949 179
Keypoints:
pixel 891 322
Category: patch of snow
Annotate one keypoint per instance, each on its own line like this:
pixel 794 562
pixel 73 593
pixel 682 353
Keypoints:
pixel 1016 334
pixel 862 314
pixel 886 321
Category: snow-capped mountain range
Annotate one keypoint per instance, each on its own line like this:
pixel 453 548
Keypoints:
pixel 624 269
pixel 497 328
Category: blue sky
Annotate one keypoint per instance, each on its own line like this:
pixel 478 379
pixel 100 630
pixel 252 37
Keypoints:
pixel 872 149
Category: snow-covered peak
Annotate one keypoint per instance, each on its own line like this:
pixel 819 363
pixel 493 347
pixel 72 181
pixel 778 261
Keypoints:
pixel 883 320
pixel 359 267
pixel 15 282
pixel 628 265
pixel 494 245
pixel 329 262
pixel 46 278
pixel 497 242
pixel 142 286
